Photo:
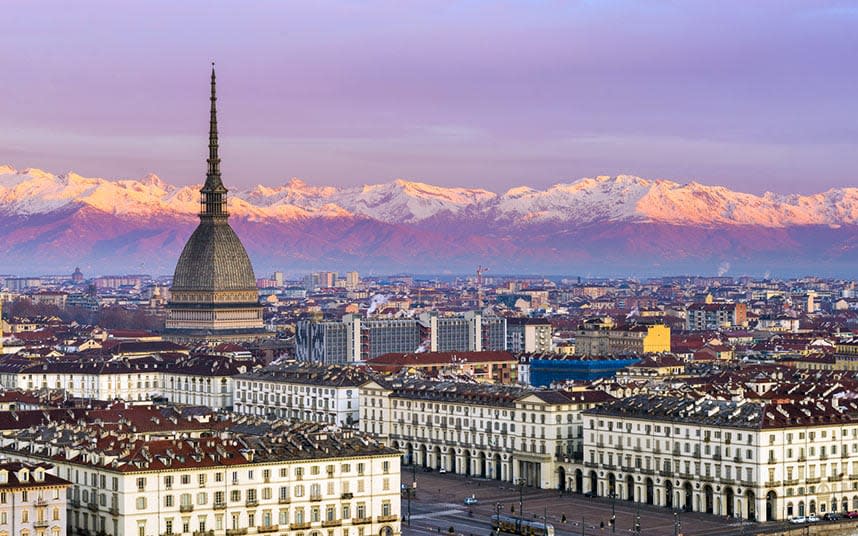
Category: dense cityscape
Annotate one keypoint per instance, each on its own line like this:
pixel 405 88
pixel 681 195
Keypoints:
pixel 474 317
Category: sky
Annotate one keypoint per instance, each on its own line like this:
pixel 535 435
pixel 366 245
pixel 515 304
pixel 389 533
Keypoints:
pixel 754 96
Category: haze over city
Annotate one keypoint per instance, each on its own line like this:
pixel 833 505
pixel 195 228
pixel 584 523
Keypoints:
pixel 754 96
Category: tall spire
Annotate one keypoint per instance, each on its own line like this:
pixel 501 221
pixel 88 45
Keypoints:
pixel 213 198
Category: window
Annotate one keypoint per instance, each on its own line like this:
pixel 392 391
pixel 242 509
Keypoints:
pixel 141 503
pixel 141 484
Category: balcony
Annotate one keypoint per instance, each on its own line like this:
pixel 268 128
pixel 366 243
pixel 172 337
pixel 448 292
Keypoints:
pixel 791 482
pixel 41 502
pixel 813 480
pixel 219 505
pixel 346 496
pixel 315 497
pixel 299 526
pixel 236 532
pixel 284 500
pixel 114 510
pixel 773 483
pixel 41 523
pixel 361 520
pixel 186 508
pixel 251 502
pixel 204 532
pixel 74 503
pixel 267 528
pixel 332 523
pixel 836 478
pixel 92 506
pixel 387 519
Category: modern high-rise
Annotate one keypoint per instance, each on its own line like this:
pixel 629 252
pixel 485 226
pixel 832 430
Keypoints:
pixel 357 339
pixel 214 296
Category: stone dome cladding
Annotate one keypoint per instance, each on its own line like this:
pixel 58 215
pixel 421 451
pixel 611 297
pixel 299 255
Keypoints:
pixel 214 260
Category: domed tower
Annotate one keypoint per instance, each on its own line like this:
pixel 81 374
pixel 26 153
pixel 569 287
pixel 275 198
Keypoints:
pixel 214 296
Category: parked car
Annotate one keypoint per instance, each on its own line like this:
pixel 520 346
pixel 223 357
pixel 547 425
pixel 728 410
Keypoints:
pixel 442 470
pixel 831 516
pixel 470 501
pixel 589 494
pixel 852 514
pixel 812 518
pixel 427 469
pixel 797 520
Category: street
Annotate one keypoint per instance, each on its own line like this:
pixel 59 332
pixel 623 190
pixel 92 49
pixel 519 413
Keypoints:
pixel 438 505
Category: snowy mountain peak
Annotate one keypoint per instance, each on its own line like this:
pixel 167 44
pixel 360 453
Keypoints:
pixel 590 200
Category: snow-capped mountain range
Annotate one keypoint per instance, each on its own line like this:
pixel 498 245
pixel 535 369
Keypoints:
pixel 621 198
pixel 577 227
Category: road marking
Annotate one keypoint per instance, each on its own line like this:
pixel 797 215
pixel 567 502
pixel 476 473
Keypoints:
pixel 440 513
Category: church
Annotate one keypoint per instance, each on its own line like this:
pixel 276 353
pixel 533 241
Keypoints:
pixel 214 296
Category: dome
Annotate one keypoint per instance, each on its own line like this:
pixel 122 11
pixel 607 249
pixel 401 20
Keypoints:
pixel 214 260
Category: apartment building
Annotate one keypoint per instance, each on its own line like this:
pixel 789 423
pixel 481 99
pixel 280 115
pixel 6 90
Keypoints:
pixel 489 431
pixel 275 478
pixel 196 380
pixel 528 335
pixel 357 339
pixel 713 316
pixel 754 460
pixel 32 500
pixel 303 391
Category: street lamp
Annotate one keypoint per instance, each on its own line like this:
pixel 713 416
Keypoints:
pixel 520 482
pixel 637 531
pixel 613 512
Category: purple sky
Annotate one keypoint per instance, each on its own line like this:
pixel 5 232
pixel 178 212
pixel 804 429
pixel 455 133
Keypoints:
pixel 753 95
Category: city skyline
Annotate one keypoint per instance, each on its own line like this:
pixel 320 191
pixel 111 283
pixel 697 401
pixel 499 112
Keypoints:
pixel 481 95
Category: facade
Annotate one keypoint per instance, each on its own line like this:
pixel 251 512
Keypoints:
pixel 606 340
pixel 491 367
pixel 199 380
pixel 357 339
pixel 713 316
pixel 759 461
pixel 487 431
pixel 302 479
pixel 214 295
pixel 528 335
pixel 32 500
pixel 303 391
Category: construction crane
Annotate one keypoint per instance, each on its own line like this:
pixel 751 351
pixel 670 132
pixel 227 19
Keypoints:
pixel 480 271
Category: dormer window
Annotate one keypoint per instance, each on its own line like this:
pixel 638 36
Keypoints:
pixel 4 476
pixel 39 475
pixel 24 475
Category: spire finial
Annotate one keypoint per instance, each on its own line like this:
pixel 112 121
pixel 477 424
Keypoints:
pixel 214 192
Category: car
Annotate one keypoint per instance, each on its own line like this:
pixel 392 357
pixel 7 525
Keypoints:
pixel 797 520
pixel 470 501
pixel 812 518
pixel 427 469
pixel 852 514
pixel 442 470
pixel 589 494
pixel 831 516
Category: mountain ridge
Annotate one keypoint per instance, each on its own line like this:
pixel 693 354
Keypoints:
pixel 587 200
pixel 601 225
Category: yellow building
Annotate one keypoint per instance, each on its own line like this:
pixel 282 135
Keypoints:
pixel 603 339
